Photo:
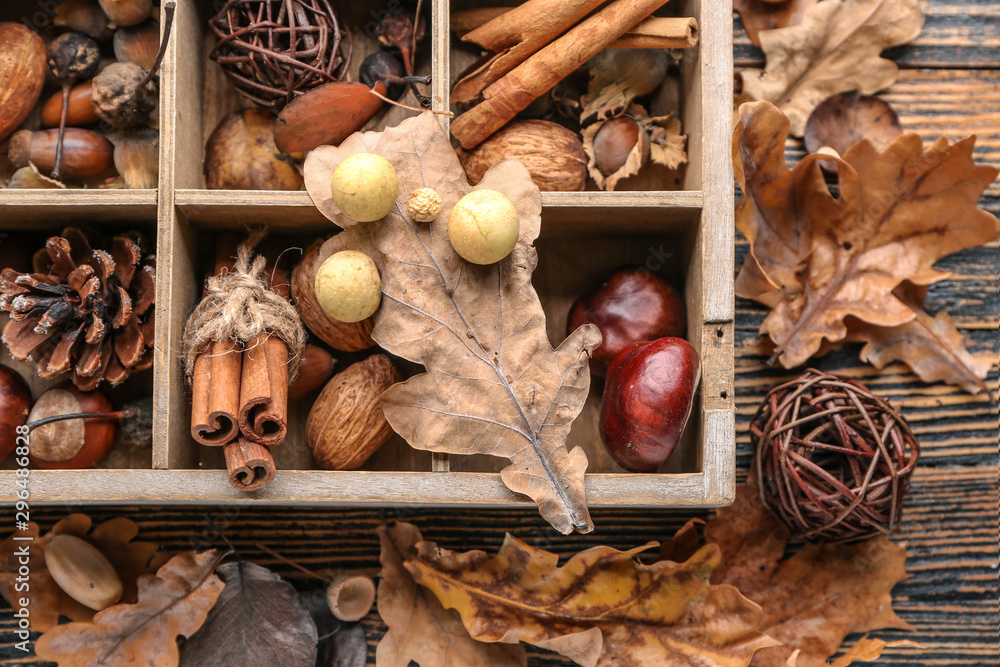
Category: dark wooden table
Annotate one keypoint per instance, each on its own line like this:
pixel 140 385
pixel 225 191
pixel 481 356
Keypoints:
pixel 950 85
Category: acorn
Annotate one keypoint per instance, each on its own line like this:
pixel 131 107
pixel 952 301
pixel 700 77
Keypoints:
pixel 314 371
pixel 137 156
pixel 138 44
pixel 84 153
pixel 82 572
pixel 80 110
pixel 127 12
pixel 84 16
pixel 72 58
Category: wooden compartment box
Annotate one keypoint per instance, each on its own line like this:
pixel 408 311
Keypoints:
pixel 685 235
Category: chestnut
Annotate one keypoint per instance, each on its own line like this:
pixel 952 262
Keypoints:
pixel 71 442
pixel 647 401
pixel 632 305
pixel 15 398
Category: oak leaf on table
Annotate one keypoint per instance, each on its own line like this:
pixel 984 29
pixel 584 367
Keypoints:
pixel 419 627
pixel 835 48
pixel 175 601
pixel 493 383
pixel 821 261
pixel 48 601
pixel 758 15
pixel 602 608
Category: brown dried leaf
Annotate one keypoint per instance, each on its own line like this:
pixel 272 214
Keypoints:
pixel 758 15
pixel 420 629
pixel 174 602
pixel 835 48
pixel 869 649
pixel 813 599
pixel 602 608
pixel 817 259
pixel 47 601
pixel 493 384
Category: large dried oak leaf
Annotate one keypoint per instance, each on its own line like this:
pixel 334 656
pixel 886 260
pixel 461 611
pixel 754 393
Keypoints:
pixel 47 601
pixel 602 608
pixel 174 602
pixel 817 259
pixel 493 385
pixel 420 629
pixel 834 49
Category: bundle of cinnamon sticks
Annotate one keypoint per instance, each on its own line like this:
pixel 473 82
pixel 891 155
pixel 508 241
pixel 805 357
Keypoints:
pixel 539 43
pixel 240 392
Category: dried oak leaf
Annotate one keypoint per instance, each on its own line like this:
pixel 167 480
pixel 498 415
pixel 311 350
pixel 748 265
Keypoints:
pixel 258 621
pixel 817 259
pixel 420 629
pixel 175 601
pixel 602 608
pixel 493 385
pixel 47 601
pixel 835 48
pixel 812 600
pixel 758 15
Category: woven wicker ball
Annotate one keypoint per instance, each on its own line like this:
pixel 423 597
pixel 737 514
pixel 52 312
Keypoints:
pixel 274 50
pixel 833 460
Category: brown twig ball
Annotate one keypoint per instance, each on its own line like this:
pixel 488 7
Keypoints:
pixel 833 459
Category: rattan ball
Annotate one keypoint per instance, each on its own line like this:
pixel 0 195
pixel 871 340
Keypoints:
pixel 275 50
pixel 834 461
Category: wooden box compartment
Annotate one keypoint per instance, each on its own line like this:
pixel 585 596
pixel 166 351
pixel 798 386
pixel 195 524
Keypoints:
pixel 685 236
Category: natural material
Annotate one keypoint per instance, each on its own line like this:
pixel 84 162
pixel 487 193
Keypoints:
pixel 553 155
pixel 138 44
pixel 114 539
pixel 314 371
pixel 834 49
pixel 828 266
pixel 84 16
pixel 647 400
pixel 127 12
pixel 632 305
pixel 758 15
pixel 364 186
pixel 79 111
pixel 258 619
pixel 483 227
pixel 420 629
pixel 348 287
pixel 22 74
pixel 263 414
pixel 240 155
pixel 83 572
pixel 842 120
pixel 15 399
pixel 835 460
pixel 402 32
pixel 343 336
pixel 29 178
pixel 84 310
pixel 382 66
pixel 350 595
pixel 603 607
pixel 622 146
pixel 346 424
pixel 493 383
pixel 423 205
pixel 84 152
pixel 618 76
pixel 73 58
pixel 137 156
pixel 272 51
pixel 72 443
pixel 325 115
pixel 174 602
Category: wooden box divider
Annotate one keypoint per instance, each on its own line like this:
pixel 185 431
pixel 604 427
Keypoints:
pixel 687 233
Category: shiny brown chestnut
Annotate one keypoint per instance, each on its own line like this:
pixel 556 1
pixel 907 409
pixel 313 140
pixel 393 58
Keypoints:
pixel 15 399
pixel 647 400
pixel 632 305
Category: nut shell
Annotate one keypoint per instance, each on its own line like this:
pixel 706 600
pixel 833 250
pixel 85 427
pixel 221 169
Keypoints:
pixel 22 74
pixel 553 155
pixel 83 572
pixel 127 12
pixel 314 371
pixel 15 399
pixel 241 155
pixel 73 443
pixel 346 424
pixel 85 153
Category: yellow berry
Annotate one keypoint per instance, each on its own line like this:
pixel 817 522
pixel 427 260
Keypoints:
pixel 484 227
pixel 364 187
pixel 348 286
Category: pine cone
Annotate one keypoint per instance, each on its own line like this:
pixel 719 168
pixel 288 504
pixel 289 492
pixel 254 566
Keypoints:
pixel 83 311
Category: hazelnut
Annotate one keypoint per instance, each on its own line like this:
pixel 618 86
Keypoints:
pixel 364 187
pixel 484 227
pixel 348 286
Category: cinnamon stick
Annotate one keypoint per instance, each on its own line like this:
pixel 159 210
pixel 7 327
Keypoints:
pixel 263 415
pixel 543 70
pixel 251 466
pixel 215 392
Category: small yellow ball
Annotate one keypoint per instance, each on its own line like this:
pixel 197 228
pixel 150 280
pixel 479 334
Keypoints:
pixel 483 227
pixel 364 187
pixel 424 204
pixel 348 286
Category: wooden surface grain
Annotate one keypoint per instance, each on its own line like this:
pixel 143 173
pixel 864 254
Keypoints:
pixel 950 86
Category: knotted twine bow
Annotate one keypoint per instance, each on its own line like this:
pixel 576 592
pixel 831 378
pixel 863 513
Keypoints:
pixel 239 306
